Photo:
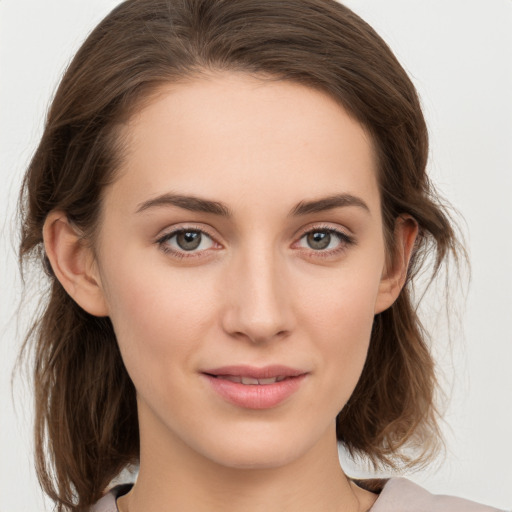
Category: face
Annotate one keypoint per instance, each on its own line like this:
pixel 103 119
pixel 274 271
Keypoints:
pixel 241 258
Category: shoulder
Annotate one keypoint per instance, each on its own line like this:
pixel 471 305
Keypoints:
pixel 402 495
pixel 398 495
pixel 108 502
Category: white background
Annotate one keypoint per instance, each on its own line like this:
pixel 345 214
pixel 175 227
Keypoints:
pixel 459 53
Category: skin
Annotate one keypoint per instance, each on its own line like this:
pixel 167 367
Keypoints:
pixel 254 292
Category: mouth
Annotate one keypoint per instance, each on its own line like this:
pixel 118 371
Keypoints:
pixel 255 388
pixel 251 380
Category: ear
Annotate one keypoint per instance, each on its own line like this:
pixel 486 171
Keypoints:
pixel 395 272
pixel 73 263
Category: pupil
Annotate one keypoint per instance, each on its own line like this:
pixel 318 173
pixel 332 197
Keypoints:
pixel 188 240
pixel 319 240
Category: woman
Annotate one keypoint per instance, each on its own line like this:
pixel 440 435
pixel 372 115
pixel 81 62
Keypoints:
pixel 230 201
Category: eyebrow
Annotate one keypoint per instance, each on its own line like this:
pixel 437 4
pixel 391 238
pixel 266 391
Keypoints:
pixel 191 203
pixel 328 203
pixel 197 204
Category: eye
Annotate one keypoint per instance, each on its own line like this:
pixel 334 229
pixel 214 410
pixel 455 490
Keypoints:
pixel 327 240
pixel 184 241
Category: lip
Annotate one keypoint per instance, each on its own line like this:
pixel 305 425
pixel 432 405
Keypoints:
pixel 255 396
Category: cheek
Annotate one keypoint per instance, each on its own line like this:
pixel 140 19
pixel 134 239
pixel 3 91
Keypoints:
pixel 159 316
pixel 341 320
pixel 347 328
pixel 343 301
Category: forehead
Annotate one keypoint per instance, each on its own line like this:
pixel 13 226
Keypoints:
pixel 230 135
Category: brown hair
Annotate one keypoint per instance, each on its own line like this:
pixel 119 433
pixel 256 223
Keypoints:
pixel 86 427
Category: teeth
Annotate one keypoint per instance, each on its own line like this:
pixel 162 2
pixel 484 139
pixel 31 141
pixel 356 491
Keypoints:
pixel 251 380
pixel 273 380
pixel 232 378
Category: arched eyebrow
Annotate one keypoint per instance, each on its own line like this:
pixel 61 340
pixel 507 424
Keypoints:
pixel 198 204
pixel 328 203
pixel 191 203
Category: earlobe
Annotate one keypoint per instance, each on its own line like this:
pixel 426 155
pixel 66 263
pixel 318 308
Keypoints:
pixel 73 263
pixel 395 273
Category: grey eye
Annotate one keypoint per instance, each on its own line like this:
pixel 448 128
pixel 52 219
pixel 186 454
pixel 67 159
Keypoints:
pixel 188 240
pixel 318 240
pixel 182 241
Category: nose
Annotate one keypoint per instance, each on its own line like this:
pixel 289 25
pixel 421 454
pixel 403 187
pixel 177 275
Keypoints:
pixel 258 303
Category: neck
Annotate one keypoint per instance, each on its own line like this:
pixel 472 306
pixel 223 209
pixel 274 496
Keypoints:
pixel 314 481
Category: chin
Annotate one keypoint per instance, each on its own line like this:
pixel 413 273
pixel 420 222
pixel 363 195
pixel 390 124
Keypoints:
pixel 259 448
pixel 254 458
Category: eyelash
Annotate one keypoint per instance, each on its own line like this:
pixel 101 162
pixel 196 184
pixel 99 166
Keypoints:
pixel 162 242
pixel 344 240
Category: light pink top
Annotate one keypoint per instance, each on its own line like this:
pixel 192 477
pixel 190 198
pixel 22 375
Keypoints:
pixel 398 495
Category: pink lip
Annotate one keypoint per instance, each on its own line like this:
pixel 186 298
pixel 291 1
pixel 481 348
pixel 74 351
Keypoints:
pixel 255 396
